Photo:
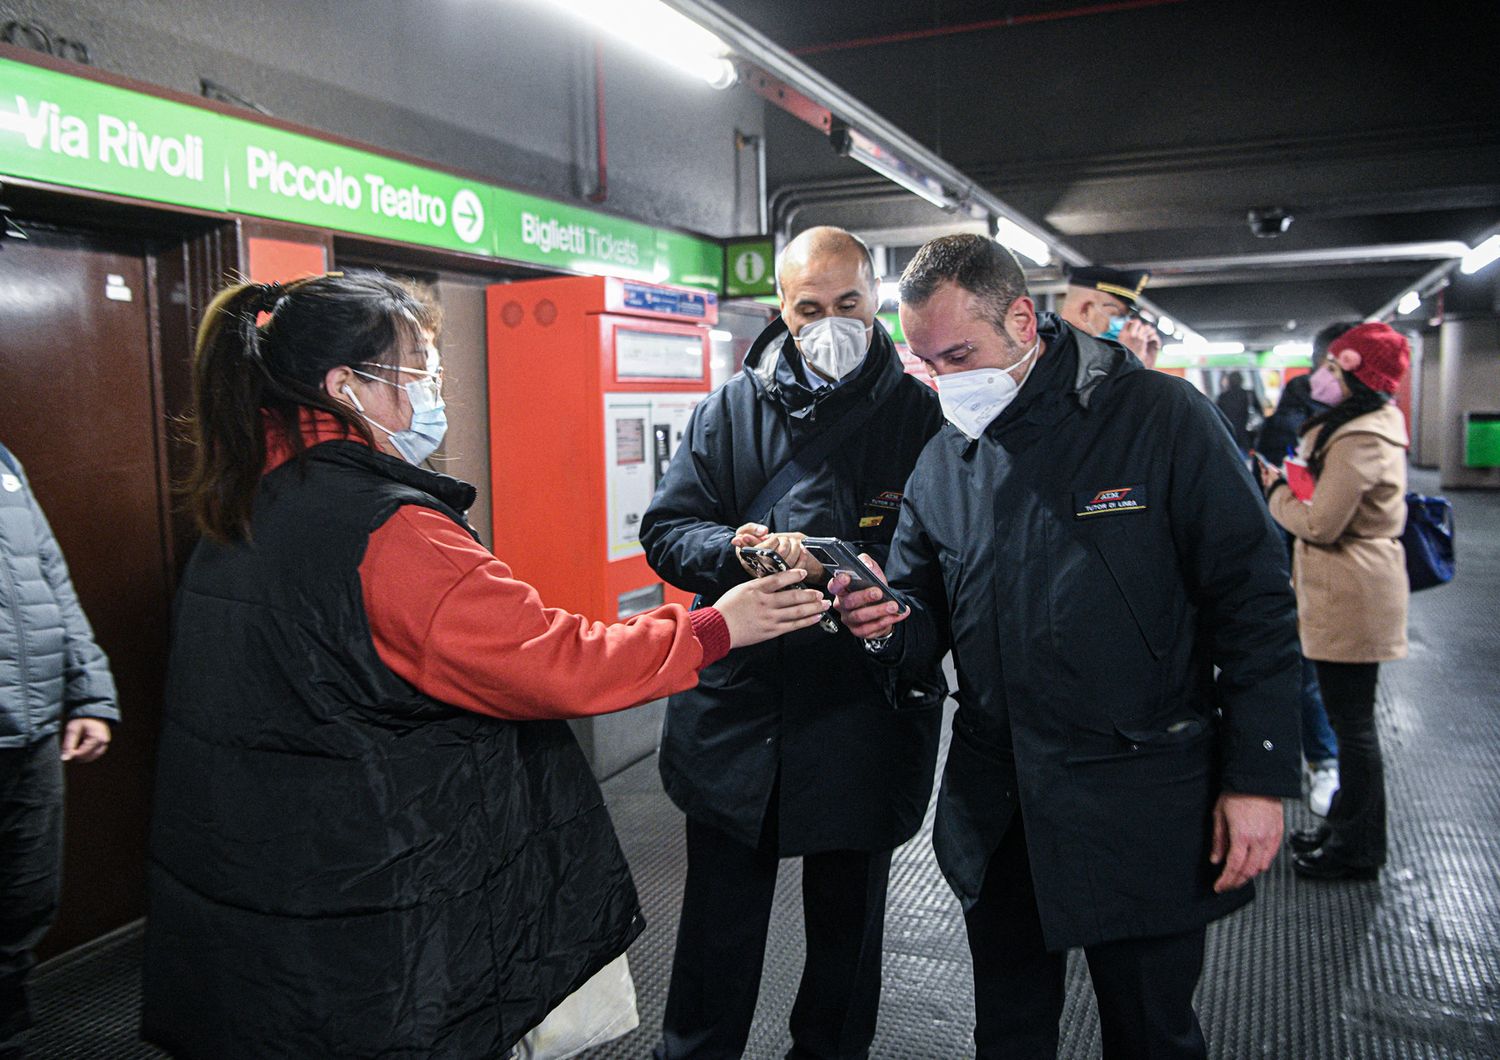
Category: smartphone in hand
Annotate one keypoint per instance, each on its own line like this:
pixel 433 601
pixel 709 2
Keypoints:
pixel 838 557
pixel 763 561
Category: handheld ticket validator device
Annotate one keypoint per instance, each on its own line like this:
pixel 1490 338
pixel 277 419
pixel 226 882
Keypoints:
pixel 592 380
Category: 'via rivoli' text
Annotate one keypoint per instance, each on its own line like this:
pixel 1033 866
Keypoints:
pixel 118 142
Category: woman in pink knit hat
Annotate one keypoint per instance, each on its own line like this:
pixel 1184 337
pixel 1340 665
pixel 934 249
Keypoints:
pixel 1350 576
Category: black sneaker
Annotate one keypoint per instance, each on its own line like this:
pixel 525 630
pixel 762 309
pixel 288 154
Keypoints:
pixel 1307 840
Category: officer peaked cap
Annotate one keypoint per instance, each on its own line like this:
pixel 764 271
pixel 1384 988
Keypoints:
pixel 1125 285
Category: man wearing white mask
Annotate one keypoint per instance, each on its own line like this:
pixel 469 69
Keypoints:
pixel 1088 544
pixel 796 750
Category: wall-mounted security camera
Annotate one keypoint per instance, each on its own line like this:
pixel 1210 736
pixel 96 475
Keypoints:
pixel 1268 222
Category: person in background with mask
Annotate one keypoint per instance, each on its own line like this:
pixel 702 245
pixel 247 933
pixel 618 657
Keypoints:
pixel 1276 441
pixel 1352 588
pixel 372 833
pixel 793 749
pixel 1105 788
pixel 1100 301
pixel 1278 435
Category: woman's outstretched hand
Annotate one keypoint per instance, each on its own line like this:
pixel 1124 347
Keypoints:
pixel 756 611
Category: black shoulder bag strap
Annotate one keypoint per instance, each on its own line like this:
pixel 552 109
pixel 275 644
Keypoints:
pixel 799 465
pixel 803 462
pixel 10 461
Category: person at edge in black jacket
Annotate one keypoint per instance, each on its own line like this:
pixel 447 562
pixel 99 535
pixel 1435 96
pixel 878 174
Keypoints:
pixel 793 749
pixel 1237 404
pixel 1085 539
pixel 1278 435
pixel 372 833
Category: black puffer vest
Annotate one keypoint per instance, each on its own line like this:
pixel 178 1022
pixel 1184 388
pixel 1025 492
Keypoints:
pixel 341 865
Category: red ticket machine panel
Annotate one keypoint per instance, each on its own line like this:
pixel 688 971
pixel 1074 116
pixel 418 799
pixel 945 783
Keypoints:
pixel 591 383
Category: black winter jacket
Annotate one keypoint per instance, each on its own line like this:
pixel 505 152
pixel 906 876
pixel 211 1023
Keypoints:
pixel 1090 560
pixel 1278 436
pixel 1235 405
pixel 811 708
pixel 340 865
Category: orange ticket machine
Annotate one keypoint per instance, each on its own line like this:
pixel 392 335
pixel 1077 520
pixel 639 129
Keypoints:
pixel 591 383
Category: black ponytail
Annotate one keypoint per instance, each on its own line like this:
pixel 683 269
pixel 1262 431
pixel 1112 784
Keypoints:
pixel 1361 401
pixel 252 379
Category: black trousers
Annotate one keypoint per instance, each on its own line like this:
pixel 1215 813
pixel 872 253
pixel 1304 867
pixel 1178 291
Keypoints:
pixel 721 946
pixel 1144 986
pixel 31 798
pixel 1356 821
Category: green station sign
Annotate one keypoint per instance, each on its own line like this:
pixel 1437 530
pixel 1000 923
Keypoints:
pixel 79 133
pixel 1482 439
pixel 749 269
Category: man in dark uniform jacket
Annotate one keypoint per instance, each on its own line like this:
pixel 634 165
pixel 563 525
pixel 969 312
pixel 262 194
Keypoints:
pixel 1086 541
pixel 793 748
pixel 1101 302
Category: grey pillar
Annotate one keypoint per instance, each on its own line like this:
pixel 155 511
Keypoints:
pixel 1427 399
pixel 466 447
pixel 1470 383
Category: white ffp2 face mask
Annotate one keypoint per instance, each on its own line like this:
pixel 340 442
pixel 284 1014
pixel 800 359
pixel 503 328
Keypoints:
pixel 834 346
pixel 972 400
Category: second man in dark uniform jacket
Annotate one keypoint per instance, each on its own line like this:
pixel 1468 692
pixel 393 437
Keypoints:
pixel 793 748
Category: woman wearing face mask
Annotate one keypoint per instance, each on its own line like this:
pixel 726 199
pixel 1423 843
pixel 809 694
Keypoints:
pixel 1350 575
pixel 372 833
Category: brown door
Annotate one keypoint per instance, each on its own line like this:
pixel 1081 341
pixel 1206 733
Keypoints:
pixel 79 405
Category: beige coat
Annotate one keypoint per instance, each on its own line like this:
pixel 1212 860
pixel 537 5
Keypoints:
pixel 1349 568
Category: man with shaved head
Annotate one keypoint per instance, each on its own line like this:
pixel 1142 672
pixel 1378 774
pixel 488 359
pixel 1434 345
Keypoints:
pixel 805 747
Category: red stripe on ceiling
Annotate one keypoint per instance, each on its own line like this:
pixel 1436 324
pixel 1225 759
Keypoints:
pixel 987 24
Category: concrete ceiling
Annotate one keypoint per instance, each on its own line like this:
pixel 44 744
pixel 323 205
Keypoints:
pixel 1144 131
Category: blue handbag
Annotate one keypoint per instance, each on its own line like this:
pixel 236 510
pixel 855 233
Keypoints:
pixel 1428 540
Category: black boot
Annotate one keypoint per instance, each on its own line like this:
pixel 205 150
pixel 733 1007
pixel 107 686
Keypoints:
pixel 1306 840
pixel 1332 862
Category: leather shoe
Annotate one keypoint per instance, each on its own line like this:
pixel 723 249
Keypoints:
pixel 1329 864
pixel 1306 840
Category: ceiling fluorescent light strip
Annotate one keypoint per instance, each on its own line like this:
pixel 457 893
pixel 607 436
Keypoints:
pixel 866 151
pixel 1483 254
pixel 1202 347
pixel 1032 247
pixel 658 30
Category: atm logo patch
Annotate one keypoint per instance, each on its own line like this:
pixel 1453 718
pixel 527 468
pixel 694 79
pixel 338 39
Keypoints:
pixel 1110 501
pixel 886 502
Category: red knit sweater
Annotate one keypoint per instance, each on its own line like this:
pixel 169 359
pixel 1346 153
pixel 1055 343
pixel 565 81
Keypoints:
pixel 448 617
